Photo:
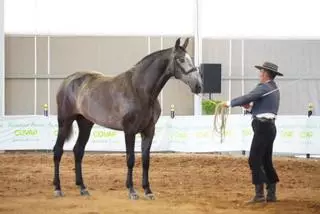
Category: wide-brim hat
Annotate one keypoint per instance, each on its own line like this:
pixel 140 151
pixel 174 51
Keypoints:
pixel 270 67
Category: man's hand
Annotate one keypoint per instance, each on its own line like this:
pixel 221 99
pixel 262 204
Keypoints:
pixel 226 104
pixel 246 106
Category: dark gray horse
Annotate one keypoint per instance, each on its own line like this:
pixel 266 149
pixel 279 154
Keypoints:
pixel 127 102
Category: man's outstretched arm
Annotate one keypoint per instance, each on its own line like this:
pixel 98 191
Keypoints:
pixel 253 95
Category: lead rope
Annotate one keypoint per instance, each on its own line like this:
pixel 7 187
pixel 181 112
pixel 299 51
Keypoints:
pixel 220 120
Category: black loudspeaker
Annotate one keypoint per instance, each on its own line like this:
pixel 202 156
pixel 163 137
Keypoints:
pixel 211 74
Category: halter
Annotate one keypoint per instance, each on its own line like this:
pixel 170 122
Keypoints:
pixel 193 69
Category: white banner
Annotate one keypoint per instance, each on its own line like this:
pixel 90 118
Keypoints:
pixel 295 134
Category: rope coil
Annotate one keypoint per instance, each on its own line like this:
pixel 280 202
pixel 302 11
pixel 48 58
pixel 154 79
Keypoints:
pixel 220 120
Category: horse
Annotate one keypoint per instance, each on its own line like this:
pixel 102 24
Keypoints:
pixel 126 102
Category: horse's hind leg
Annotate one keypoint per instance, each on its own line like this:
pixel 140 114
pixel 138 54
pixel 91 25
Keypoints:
pixel 85 127
pixel 64 130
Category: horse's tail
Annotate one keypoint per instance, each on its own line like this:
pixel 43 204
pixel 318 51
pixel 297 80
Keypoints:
pixel 65 128
pixel 64 120
pixel 66 104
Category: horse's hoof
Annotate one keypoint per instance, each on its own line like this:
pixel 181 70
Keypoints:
pixel 58 193
pixel 133 196
pixel 84 192
pixel 150 196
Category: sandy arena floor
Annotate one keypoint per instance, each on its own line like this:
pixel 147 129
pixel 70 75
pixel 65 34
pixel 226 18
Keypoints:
pixel 182 184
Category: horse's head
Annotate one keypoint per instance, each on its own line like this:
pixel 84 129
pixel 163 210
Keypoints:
pixel 183 68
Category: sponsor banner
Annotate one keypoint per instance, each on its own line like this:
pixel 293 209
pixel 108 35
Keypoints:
pixel 295 134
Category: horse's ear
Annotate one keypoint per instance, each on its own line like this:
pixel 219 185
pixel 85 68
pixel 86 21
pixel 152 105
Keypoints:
pixel 185 44
pixel 177 45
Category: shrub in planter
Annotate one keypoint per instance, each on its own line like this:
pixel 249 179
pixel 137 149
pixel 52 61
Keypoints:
pixel 209 106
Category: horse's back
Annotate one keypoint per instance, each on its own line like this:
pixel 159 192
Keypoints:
pixel 73 85
pixel 82 76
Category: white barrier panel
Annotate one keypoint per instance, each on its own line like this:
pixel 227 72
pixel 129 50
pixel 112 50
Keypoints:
pixel 295 134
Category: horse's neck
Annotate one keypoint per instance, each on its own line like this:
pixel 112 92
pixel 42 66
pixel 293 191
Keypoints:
pixel 150 80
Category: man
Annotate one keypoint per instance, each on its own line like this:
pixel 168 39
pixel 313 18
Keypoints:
pixel 265 98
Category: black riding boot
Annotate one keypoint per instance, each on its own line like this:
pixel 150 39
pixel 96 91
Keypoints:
pixel 259 197
pixel 271 193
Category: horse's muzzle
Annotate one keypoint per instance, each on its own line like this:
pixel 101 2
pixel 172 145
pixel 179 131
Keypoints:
pixel 197 89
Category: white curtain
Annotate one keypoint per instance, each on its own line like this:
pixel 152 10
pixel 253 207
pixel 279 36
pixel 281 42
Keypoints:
pixel 105 17
pixel 259 18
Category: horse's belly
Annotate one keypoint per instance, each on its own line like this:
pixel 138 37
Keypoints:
pixel 112 123
pixel 103 117
pixel 107 121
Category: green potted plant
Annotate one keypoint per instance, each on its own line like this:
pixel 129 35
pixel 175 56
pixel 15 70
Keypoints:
pixel 209 106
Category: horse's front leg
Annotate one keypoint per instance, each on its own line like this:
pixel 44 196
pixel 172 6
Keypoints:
pixel 130 142
pixel 147 137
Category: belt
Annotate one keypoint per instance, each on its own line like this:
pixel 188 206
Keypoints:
pixel 266 115
pixel 264 119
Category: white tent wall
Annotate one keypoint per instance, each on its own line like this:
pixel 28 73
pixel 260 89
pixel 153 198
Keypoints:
pixel 55 57
pixel 38 32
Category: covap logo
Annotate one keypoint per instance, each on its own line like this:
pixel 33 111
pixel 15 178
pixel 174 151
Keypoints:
pixel 287 134
pixel 202 134
pixel 179 135
pixel 228 133
pixel 104 134
pixel 26 132
pixel 306 134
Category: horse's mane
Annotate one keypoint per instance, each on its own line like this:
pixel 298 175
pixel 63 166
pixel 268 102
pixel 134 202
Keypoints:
pixel 152 56
pixel 146 61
